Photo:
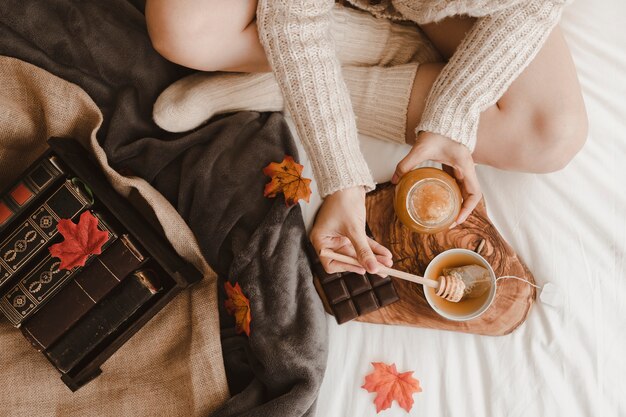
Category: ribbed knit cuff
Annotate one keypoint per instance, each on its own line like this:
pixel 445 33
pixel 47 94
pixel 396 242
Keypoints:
pixel 459 126
pixel 351 172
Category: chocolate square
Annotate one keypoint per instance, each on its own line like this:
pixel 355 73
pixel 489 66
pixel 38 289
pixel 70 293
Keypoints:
pixel 377 280
pixel 366 303
pixel 356 283
pixel 336 291
pixel 344 311
pixel 386 294
pixel 326 277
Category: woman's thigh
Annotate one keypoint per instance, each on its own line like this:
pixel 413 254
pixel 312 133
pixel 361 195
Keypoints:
pixel 208 35
pixel 541 116
pixel 540 122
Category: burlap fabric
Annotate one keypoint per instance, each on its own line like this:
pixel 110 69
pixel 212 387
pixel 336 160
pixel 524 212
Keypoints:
pixel 173 366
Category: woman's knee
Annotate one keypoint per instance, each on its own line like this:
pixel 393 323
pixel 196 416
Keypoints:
pixel 186 38
pixel 558 135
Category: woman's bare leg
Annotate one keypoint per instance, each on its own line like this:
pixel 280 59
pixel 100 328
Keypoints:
pixel 208 35
pixel 221 35
pixel 540 122
pixel 538 125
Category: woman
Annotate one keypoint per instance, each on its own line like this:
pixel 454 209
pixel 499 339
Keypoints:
pixel 505 93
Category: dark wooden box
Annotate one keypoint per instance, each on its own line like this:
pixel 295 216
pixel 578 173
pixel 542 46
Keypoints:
pixel 174 273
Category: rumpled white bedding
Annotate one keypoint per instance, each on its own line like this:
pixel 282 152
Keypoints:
pixel 570 228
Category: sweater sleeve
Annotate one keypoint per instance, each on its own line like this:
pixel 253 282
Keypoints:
pixel 492 55
pixel 299 47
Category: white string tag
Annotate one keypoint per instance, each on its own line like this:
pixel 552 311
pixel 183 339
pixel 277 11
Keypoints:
pixel 550 294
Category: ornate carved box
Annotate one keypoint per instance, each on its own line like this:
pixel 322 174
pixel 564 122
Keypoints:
pixel 81 270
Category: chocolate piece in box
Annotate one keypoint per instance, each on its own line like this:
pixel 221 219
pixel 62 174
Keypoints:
pixel 78 297
pixel 101 322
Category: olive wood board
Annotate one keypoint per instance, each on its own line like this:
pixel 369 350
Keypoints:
pixel 413 251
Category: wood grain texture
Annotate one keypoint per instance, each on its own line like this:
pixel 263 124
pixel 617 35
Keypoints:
pixel 412 252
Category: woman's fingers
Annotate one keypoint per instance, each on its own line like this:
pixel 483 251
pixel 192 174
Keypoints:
pixel 416 156
pixel 356 246
pixel 332 267
pixel 364 252
pixel 471 191
pixel 383 255
pixel 337 244
pixel 469 204
pixel 378 248
pixel 382 259
pixel 458 161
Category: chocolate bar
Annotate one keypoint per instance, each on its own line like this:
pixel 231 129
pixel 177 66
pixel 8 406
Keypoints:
pixel 349 295
pixel 30 237
pixel 81 294
pixel 102 321
pixel 43 175
pixel 45 279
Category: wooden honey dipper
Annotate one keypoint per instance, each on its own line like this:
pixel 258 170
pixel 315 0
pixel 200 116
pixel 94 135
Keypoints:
pixel 448 287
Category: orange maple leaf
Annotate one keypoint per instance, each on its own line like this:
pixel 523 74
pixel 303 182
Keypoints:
pixel 81 240
pixel 238 305
pixel 390 385
pixel 287 179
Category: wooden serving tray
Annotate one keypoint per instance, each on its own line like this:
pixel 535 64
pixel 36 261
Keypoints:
pixel 412 252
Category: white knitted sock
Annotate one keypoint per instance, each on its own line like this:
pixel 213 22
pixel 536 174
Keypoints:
pixel 192 100
pixel 380 98
pixel 364 40
pixel 360 40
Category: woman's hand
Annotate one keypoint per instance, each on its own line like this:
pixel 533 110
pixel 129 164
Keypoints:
pixel 434 147
pixel 340 227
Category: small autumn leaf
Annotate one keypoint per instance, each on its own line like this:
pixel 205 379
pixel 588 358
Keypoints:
pixel 287 179
pixel 390 385
pixel 81 240
pixel 238 305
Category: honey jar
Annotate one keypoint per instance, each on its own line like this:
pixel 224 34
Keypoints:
pixel 427 200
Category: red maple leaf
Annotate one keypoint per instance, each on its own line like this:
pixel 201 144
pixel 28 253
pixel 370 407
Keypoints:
pixel 287 179
pixel 390 385
pixel 81 240
pixel 238 305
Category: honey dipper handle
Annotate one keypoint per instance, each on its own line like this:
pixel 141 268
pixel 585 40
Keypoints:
pixel 382 270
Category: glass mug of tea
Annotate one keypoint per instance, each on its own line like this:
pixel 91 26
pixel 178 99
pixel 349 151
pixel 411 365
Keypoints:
pixel 466 309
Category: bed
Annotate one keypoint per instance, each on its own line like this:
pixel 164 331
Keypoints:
pixel 570 228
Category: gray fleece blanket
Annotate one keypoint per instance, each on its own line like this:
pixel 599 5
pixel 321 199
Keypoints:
pixel 212 175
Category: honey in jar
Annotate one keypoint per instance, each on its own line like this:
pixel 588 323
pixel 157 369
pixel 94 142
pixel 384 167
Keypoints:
pixel 427 200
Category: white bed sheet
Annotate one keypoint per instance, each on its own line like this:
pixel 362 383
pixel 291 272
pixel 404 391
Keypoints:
pixel 570 229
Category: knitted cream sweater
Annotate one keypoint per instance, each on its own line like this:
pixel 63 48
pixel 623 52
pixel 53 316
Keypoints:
pixel 299 47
